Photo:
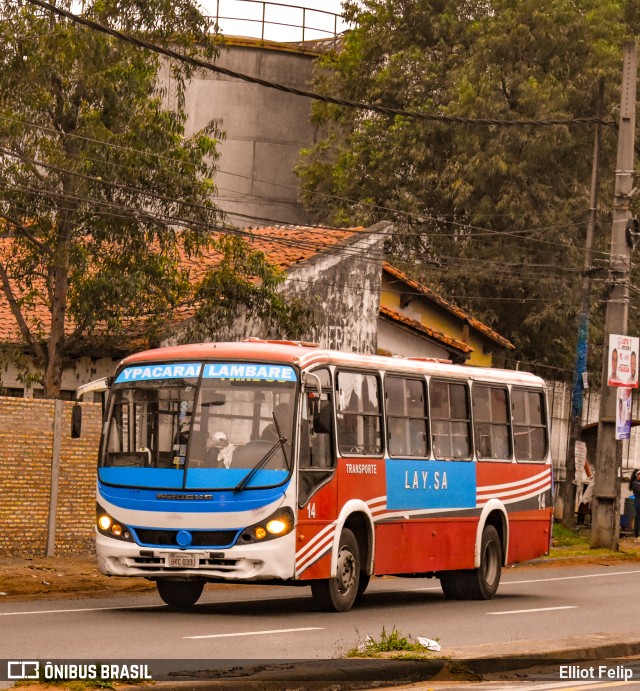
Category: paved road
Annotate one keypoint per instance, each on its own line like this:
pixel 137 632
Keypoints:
pixel 269 623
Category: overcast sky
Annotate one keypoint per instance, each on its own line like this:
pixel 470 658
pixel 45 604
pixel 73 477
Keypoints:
pixel 283 20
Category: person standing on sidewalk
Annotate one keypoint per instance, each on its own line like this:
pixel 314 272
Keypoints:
pixel 634 486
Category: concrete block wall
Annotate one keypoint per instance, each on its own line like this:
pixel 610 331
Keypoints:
pixel 26 470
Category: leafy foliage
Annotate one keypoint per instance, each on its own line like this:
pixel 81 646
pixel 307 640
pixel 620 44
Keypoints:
pixel 102 193
pixel 243 287
pixel 501 209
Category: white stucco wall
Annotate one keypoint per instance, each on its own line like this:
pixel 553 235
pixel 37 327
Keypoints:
pixel 401 341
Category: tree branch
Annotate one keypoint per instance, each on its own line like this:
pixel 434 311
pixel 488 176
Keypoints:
pixel 28 234
pixel 17 314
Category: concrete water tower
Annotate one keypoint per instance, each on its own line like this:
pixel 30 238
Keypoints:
pixel 265 128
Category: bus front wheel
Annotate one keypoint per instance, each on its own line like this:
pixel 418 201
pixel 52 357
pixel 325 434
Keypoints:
pixel 178 593
pixel 481 583
pixel 338 594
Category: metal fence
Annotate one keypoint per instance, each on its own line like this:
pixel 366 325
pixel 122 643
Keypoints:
pixel 274 21
pixel 268 21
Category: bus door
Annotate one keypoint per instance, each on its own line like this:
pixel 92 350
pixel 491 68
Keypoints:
pixel 317 490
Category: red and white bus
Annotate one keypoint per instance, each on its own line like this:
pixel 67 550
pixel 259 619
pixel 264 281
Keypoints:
pixel 281 462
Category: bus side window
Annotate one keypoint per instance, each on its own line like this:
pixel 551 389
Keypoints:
pixel 529 425
pixel 450 415
pixel 315 433
pixel 491 422
pixel 406 405
pixel 359 413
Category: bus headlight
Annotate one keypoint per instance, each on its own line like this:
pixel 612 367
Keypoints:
pixel 108 526
pixel 278 524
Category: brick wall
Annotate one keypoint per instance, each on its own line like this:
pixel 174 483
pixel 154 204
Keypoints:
pixel 26 453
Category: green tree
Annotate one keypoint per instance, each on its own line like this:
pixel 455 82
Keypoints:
pixel 244 290
pixel 102 194
pixel 501 209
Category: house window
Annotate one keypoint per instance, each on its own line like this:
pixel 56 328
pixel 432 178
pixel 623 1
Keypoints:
pixel 11 392
pixel 65 394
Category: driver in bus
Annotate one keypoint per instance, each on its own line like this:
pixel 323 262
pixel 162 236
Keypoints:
pixel 270 432
pixel 219 450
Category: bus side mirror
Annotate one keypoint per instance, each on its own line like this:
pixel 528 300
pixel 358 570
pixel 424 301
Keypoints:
pixel 76 421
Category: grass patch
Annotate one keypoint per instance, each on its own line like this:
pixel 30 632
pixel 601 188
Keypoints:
pixel 75 685
pixel 577 543
pixel 60 677
pixel 563 537
pixel 389 643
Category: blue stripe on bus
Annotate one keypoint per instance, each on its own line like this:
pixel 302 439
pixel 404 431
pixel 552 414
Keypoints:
pixel 248 370
pixel 169 370
pixel 195 498
pixel 430 484
pixel 218 370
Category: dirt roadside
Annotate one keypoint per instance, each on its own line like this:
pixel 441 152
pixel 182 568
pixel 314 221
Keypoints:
pixel 38 578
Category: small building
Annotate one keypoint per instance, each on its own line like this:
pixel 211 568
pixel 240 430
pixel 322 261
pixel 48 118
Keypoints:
pixel 417 322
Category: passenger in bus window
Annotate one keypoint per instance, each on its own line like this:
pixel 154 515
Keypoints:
pixel 397 437
pixel 270 432
pixel 219 451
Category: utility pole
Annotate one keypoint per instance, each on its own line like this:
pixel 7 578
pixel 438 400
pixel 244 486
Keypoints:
pixel 569 493
pixel 605 523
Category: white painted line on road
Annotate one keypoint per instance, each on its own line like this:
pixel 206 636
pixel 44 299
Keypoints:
pixel 539 609
pixel 571 578
pixel 79 609
pixel 107 609
pixel 557 578
pixel 258 633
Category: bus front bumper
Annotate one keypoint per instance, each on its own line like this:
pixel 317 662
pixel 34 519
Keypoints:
pixel 273 559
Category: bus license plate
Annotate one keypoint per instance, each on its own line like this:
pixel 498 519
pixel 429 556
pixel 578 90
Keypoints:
pixel 183 561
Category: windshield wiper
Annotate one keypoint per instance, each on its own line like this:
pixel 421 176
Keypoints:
pixel 265 459
pixel 281 440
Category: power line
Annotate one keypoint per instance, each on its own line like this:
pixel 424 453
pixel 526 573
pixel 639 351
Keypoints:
pixel 419 217
pixel 202 64
pixel 391 291
pixel 202 207
pixel 115 210
pixel 472 235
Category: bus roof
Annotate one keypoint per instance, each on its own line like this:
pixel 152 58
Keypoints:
pixel 306 355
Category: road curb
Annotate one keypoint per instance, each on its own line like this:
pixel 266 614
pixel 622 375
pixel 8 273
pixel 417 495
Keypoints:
pixel 487 658
pixel 359 673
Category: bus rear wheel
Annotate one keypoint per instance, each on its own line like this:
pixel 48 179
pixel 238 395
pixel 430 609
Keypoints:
pixel 481 583
pixel 338 594
pixel 179 594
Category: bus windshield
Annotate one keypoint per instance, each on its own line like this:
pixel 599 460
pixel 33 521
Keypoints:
pixel 224 426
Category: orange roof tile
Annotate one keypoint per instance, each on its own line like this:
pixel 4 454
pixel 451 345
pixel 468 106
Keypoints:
pixel 439 300
pixel 284 246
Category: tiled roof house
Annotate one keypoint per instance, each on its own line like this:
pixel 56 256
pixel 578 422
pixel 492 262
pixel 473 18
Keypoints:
pixel 360 303
pixel 417 322
pixel 338 270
